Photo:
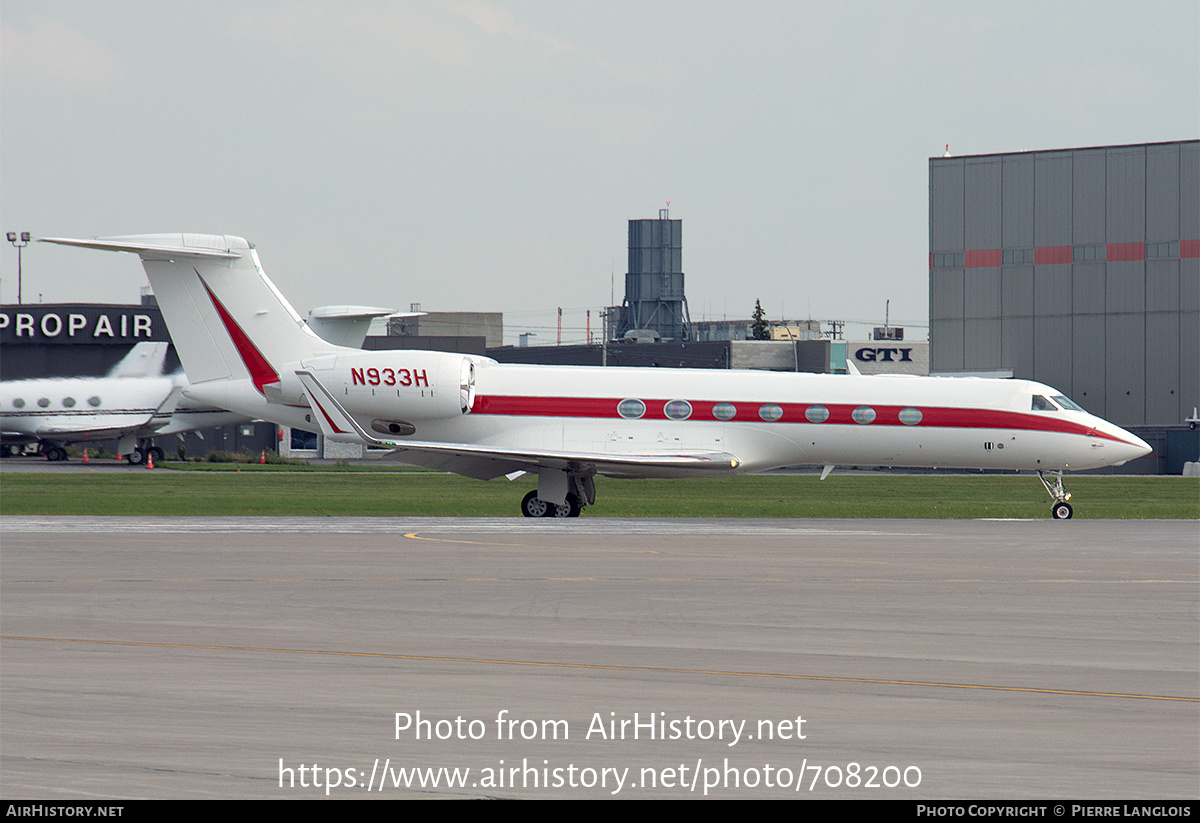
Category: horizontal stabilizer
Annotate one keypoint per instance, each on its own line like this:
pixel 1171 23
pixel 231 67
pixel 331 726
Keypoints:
pixel 154 246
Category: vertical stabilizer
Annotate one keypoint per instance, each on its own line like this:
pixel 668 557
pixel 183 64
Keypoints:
pixel 144 360
pixel 227 319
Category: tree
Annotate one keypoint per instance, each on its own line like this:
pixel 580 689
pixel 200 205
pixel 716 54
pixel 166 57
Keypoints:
pixel 760 330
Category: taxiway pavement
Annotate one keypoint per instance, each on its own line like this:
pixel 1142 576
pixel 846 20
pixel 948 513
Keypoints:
pixel 177 657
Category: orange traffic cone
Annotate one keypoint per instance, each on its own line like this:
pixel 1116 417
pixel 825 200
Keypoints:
pixel 85 457
pixel 149 460
pixel 263 458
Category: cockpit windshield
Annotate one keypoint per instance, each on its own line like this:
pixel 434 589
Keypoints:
pixel 1042 404
pixel 1067 403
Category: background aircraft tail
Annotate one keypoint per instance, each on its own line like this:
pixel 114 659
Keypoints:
pixel 227 319
pixel 144 360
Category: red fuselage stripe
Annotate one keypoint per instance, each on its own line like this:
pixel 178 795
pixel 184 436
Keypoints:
pixel 839 414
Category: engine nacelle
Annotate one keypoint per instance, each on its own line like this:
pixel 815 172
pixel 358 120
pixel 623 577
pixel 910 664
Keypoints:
pixel 393 386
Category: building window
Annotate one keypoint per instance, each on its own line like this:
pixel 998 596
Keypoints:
pixel 1162 250
pixel 1084 254
pixel 948 260
pixel 303 441
pixel 1018 257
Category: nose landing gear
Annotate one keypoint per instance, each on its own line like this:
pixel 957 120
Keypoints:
pixel 1061 510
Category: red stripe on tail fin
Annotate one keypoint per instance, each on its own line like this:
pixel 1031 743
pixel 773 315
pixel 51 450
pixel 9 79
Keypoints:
pixel 261 372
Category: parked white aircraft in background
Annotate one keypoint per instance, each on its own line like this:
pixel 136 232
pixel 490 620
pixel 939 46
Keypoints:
pixel 246 349
pixel 133 403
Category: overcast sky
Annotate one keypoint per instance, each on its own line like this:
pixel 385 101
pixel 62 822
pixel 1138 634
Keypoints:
pixel 485 155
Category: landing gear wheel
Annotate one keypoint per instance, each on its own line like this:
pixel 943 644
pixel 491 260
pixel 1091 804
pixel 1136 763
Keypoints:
pixel 569 509
pixel 136 457
pixel 10 450
pixel 156 453
pixel 534 506
pixel 1061 511
pixel 56 454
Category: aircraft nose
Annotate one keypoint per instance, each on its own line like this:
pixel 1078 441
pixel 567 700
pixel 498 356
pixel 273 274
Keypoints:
pixel 1131 446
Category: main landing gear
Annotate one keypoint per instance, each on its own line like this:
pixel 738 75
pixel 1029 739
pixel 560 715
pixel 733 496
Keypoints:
pixel 138 456
pixel 573 485
pixel 54 453
pixel 1061 510
pixel 534 506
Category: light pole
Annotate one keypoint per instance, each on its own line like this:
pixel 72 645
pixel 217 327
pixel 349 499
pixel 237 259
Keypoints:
pixel 12 238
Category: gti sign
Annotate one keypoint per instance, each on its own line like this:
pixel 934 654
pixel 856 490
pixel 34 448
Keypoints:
pixel 79 323
pixel 889 356
pixel 871 355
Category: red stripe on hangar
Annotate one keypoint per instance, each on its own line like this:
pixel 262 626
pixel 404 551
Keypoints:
pixel 981 258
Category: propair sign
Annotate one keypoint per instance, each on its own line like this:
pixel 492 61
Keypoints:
pixel 80 324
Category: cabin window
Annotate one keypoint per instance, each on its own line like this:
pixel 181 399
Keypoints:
pixel 43 402
pixel 770 412
pixel 631 409
pixel 910 416
pixel 94 401
pixel 1042 404
pixel 18 402
pixel 69 402
pixel 724 411
pixel 1066 403
pixel 816 414
pixel 863 415
pixel 678 410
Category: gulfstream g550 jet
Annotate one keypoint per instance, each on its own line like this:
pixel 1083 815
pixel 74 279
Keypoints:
pixel 246 349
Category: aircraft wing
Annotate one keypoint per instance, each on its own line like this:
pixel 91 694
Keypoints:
pixel 100 427
pixel 487 461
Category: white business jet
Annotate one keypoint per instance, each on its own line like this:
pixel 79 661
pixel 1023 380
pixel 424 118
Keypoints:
pixel 132 404
pixel 135 402
pixel 246 349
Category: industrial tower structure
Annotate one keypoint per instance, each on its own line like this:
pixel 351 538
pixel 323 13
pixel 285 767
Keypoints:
pixel 654 298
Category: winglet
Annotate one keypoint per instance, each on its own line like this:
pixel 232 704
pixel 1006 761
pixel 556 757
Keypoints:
pixel 336 423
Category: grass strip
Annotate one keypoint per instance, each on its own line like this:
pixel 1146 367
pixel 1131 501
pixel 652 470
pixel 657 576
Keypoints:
pixel 387 494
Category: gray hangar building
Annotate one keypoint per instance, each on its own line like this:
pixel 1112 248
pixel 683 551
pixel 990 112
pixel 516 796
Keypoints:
pixel 1078 268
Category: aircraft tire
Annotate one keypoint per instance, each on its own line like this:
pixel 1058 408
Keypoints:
pixel 1061 511
pixel 156 453
pixel 136 457
pixel 56 454
pixel 569 509
pixel 10 450
pixel 534 506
